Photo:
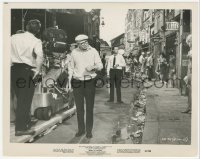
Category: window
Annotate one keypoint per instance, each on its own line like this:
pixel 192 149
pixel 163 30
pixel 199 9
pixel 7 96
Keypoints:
pixel 158 23
pixel 146 15
pixel 128 27
pixel 128 35
pixel 138 22
pixel 121 41
pixel 167 12
pixel 129 17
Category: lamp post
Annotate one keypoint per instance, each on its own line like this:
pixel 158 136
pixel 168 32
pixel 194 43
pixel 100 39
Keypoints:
pixel 23 18
pixel 102 22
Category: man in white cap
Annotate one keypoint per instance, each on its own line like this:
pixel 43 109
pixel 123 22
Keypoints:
pixel 85 61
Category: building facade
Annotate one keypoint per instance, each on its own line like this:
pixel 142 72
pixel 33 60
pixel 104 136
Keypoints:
pixel 133 23
pixel 118 42
pixel 105 48
pixel 160 31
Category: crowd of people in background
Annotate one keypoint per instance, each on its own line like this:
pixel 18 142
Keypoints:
pixel 146 64
pixel 164 68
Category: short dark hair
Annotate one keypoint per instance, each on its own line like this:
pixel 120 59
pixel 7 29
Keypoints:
pixel 19 31
pixel 33 26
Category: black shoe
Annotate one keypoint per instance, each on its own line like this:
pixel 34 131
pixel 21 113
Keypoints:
pixel 186 111
pixel 26 132
pixel 34 120
pixel 110 101
pixel 79 133
pixel 120 102
pixel 89 135
pixel 32 123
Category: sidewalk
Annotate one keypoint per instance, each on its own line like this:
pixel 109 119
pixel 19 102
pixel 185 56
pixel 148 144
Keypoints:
pixel 165 124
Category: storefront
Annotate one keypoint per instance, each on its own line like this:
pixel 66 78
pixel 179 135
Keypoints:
pixel 176 47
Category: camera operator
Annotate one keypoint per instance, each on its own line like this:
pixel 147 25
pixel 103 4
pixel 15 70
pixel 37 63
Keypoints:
pixel 26 62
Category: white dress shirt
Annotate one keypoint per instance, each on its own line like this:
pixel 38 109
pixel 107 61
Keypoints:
pixel 80 60
pixel 141 59
pixel 25 48
pixel 149 61
pixel 119 60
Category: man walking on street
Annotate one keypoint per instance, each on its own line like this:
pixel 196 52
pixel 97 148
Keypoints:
pixel 85 60
pixel 26 60
pixel 149 64
pixel 114 70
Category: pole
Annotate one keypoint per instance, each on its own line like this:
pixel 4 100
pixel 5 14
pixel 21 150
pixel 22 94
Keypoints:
pixel 22 20
pixel 164 32
pixel 181 45
pixel 45 19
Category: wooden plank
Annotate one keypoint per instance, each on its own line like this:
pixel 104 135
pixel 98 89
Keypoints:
pixel 40 127
pixel 66 114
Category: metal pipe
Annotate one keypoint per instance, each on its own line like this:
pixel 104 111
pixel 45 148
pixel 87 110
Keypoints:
pixel 45 19
pixel 22 20
pixel 164 32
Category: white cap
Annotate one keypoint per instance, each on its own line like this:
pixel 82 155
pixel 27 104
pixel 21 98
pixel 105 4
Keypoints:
pixel 81 37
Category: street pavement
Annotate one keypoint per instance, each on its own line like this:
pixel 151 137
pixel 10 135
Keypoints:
pixel 107 118
pixel 165 124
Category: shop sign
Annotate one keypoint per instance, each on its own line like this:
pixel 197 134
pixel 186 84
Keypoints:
pixel 172 25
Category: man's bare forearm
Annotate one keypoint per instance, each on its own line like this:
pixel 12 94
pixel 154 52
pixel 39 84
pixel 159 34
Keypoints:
pixel 39 62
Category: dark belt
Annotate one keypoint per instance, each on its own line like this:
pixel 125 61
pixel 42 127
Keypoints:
pixel 22 65
pixel 115 69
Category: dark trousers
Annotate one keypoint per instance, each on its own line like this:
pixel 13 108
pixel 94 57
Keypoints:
pixel 149 72
pixel 189 87
pixel 84 90
pixel 115 81
pixel 23 86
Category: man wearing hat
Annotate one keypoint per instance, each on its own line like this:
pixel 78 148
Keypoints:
pixel 26 62
pixel 85 61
